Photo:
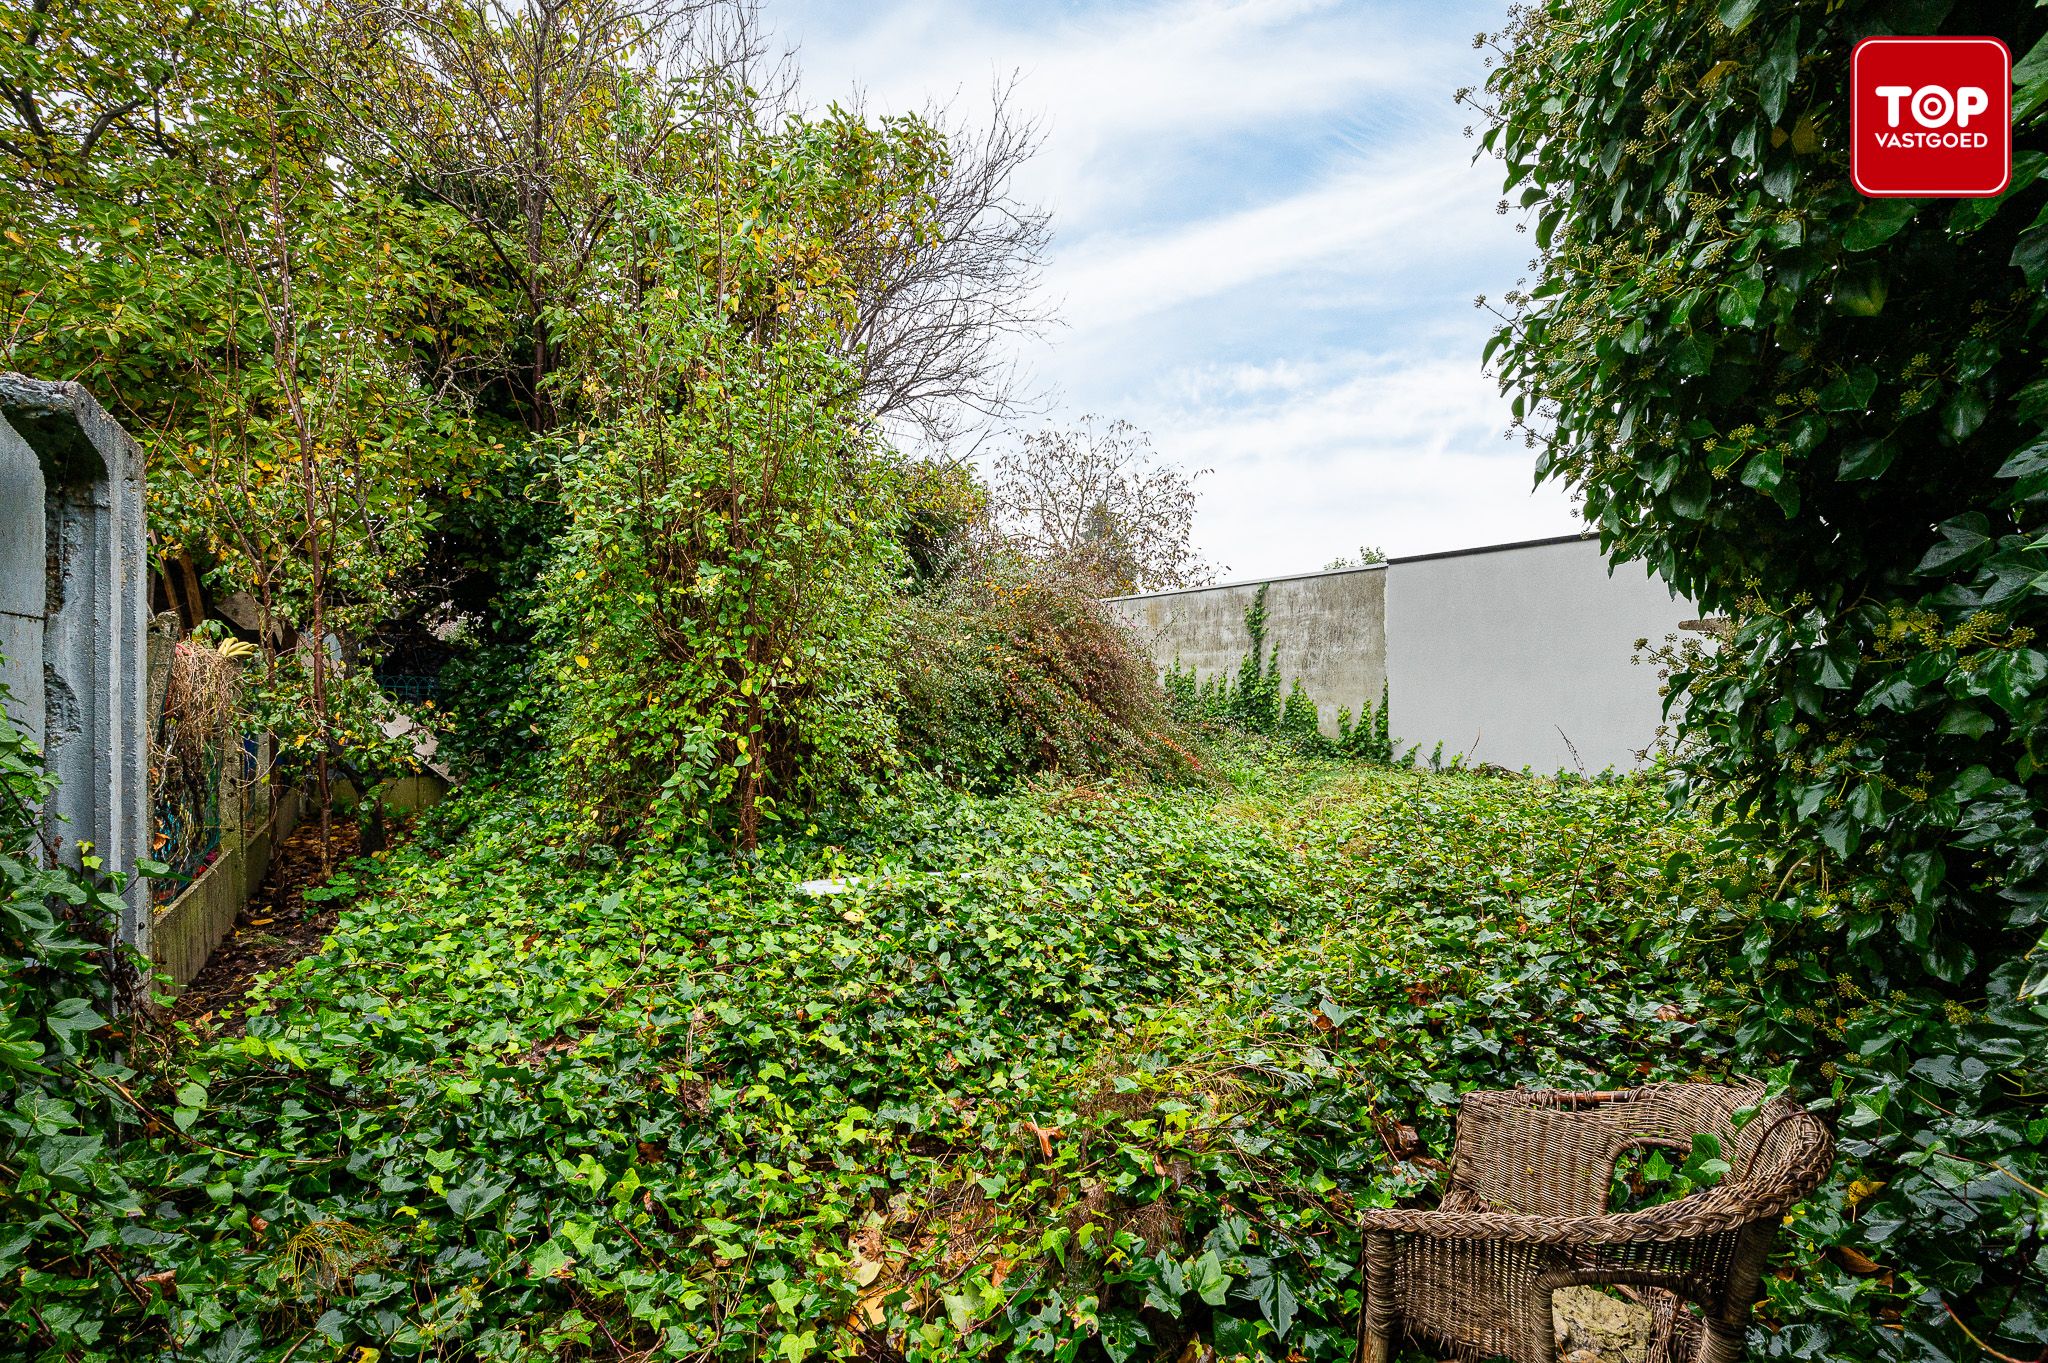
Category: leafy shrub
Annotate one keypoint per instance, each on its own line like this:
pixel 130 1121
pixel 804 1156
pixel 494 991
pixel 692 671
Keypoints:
pixel 1823 416
pixel 943 521
pixel 716 606
pixel 61 977
pixel 1011 667
pixel 494 547
pixel 363 738
pixel 714 611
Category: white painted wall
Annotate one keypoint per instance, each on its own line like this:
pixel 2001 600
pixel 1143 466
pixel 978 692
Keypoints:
pixel 1505 654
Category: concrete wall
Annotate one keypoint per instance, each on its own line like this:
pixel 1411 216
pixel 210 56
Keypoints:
pixel 1518 655
pixel 89 590
pixel 24 545
pixel 1330 630
pixel 1524 655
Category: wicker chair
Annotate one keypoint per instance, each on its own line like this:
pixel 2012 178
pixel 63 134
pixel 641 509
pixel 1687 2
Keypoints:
pixel 1526 1213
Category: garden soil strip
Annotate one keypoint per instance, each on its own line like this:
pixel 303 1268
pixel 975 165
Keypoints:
pixel 275 928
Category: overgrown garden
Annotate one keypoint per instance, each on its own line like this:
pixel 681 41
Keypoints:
pixel 844 944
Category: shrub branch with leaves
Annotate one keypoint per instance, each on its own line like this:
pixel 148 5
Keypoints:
pixel 1824 416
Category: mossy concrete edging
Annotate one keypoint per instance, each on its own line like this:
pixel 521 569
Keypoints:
pixel 188 928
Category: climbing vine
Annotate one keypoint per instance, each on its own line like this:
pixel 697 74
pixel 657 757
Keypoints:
pixel 1823 418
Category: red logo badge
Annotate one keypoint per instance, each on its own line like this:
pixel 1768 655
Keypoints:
pixel 1930 118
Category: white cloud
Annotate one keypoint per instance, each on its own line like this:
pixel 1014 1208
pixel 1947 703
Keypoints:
pixel 1269 231
pixel 1378 219
pixel 1122 90
pixel 1358 449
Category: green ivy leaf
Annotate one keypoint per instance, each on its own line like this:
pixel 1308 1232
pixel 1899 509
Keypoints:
pixel 1780 68
pixel 1966 720
pixel 1740 301
pixel 1123 1335
pixel 1964 413
pixel 2033 66
pixel 1866 459
pixel 70 1019
pixel 1924 874
pixel 1851 392
pixel 1265 1284
pixel 1963 541
pixel 1861 289
pixel 1878 222
pixel 1764 471
pixel 1692 356
pixel 2026 462
pixel 2015 677
pixel 1951 962
pixel 2030 254
pixel 1736 14
pixel 1207 1278
pixel 475 1197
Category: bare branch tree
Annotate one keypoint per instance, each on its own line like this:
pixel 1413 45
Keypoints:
pixel 1092 500
pixel 935 324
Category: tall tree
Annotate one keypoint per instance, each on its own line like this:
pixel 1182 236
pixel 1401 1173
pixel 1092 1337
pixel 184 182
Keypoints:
pixel 715 609
pixel 514 116
pixel 935 325
pixel 274 334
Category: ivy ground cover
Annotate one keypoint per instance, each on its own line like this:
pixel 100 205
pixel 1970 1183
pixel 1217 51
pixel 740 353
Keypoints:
pixel 1081 1071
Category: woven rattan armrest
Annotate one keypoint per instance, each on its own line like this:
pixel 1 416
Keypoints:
pixel 1708 1213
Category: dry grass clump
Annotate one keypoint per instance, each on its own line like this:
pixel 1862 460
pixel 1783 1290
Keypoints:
pixel 197 745
pixel 322 1257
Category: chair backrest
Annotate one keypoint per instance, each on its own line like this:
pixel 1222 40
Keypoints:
pixel 1552 1153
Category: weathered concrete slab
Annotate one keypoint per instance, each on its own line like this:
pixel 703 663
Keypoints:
pixel 93 602
pixel 1329 627
pixel 23 544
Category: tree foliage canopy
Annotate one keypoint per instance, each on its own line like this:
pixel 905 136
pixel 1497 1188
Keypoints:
pixel 1825 417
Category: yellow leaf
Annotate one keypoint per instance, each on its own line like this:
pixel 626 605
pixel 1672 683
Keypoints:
pixel 582 661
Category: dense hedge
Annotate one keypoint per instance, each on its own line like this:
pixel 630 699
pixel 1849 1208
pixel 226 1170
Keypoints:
pixel 1825 418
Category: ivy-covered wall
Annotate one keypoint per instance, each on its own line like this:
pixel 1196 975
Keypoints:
pixel 1519 654
pixel 1329 629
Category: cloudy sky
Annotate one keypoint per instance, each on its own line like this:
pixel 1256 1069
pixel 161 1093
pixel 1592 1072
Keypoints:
pixel 1268 235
